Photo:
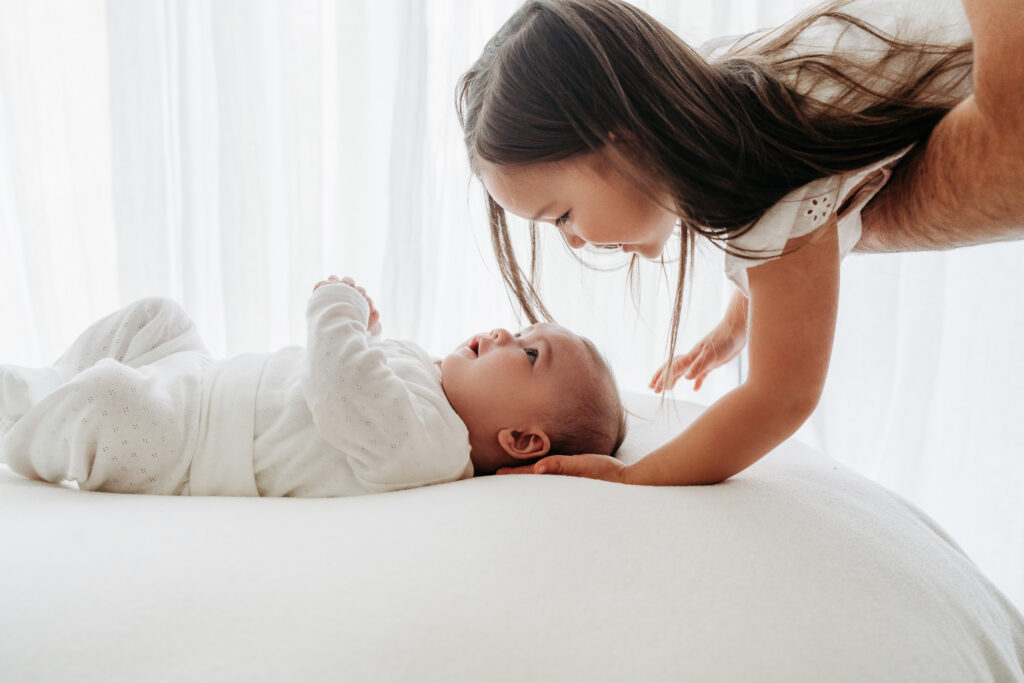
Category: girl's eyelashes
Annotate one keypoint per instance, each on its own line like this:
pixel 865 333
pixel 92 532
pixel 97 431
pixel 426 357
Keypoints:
pixel 532 355
pixel 563 219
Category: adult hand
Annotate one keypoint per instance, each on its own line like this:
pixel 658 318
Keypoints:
pixel 589 465
pixel 961 186
pixel 373 324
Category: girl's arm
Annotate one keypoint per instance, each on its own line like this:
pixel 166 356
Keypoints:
pixel 793 302
pixel 792 309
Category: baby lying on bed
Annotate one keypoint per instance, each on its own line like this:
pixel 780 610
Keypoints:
pixel 137 405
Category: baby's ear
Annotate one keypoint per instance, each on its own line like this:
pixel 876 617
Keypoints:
pixel 524 445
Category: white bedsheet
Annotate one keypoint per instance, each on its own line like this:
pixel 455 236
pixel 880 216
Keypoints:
pixel 795 570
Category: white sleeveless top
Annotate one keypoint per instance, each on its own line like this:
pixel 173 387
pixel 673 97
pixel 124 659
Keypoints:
pixel 806 209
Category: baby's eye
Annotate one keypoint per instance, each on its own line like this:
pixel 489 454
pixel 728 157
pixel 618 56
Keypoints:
pixel 532 355
pixel 563 219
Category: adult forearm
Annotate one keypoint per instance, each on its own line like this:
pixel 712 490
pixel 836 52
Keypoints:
pixel 732 434
pixel 964 186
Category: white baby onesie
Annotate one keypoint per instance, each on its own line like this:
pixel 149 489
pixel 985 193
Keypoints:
pixel 370 414
pixel 138 405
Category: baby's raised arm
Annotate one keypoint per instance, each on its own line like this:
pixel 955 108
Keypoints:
pixel 373 323
pixel 359 404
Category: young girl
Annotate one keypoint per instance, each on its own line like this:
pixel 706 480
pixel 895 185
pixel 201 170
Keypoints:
pixel 591 116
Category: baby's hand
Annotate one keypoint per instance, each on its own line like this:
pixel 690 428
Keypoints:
pixel 373 324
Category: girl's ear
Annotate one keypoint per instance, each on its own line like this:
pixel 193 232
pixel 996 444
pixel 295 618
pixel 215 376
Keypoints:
pixel 524 445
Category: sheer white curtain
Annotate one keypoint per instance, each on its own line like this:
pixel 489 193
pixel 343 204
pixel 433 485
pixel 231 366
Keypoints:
pixel 230 153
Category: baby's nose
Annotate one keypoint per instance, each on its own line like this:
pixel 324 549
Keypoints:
pixel 501 336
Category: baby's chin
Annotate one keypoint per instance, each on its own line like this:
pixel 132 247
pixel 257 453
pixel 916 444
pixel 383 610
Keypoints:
pixel 447 363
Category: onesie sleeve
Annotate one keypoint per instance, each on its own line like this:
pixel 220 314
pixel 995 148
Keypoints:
pixel 391 437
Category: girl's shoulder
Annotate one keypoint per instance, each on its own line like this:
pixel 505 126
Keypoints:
pixel 837 197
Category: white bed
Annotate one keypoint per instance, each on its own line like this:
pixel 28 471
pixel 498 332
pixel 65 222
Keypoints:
pixel 795 570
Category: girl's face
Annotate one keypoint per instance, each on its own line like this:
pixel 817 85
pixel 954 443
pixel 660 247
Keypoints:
pixel 587 199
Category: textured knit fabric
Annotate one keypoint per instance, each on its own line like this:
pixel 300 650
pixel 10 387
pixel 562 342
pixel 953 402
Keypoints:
pixel 118 412
pixel 369 416
pixel 137 405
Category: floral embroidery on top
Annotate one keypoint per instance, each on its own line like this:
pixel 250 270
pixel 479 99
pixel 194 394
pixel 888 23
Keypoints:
pixel 820 208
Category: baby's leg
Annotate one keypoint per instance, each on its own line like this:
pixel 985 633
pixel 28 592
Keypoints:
pixel 139 333
pixel 114 427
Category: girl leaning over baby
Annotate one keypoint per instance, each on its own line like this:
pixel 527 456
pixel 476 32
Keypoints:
pixel 768 146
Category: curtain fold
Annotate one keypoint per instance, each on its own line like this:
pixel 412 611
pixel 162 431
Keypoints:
pixel 231 153
pixel 925 390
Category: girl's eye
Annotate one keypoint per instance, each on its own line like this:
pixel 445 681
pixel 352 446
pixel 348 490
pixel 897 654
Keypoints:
pixel 532 355
pixel 562 220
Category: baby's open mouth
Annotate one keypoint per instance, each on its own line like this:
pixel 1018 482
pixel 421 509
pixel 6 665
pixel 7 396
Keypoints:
pixel 474 346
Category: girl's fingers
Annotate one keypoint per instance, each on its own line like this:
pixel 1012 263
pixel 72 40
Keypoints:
pixel 685 359
pixel 677 362
pixel 699 365
pixel 673 378
pixel 700 379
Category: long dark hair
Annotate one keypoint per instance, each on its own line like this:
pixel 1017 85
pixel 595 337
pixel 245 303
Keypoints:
pixel 727 138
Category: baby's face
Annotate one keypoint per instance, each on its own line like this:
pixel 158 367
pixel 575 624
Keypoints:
pixel 498 379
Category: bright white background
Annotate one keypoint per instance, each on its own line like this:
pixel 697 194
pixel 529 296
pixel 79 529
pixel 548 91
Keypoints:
pixel 231 153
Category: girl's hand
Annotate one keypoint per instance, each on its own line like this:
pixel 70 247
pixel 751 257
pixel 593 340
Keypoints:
pixel 588 465
pixel 714 350
pixel 719 347
pixel 373 324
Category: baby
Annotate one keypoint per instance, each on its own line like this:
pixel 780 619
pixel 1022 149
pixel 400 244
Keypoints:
pixel 137 405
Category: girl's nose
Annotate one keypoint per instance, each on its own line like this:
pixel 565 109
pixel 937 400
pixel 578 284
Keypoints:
pixel 572 239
